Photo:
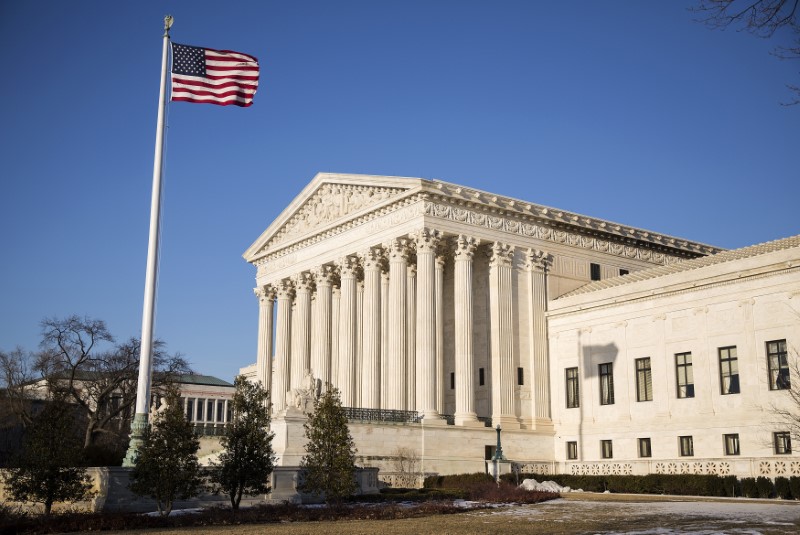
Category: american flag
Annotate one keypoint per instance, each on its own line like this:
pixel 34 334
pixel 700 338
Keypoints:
pixel 204 75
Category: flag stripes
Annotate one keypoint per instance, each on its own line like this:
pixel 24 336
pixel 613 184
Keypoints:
pixel 204 75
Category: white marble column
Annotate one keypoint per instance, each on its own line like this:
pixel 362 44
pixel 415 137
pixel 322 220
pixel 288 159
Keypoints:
pixel 336 300
pixel 371 332
pixel 384 334
pixel 301 328
pixel 440 373
pixel 537 264
pixel 359 360
pixel 464 353
pixel 395 368
pixel 283 328
pixel 321 342
pixel 411 338
pixel 427 241
pixel 502 331
pixel 347 331
pixel 266 308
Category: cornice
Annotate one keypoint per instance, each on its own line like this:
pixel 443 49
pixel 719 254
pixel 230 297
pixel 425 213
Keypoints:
pixel 652 295
pixel 480 215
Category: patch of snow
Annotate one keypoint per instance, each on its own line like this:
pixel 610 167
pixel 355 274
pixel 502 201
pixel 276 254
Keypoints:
pixel 176 512
pixel 545 486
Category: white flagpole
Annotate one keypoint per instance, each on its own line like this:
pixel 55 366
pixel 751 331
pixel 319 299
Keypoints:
pixel 140 419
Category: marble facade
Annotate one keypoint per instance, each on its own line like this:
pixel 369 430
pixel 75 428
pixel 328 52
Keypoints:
pixel 433 298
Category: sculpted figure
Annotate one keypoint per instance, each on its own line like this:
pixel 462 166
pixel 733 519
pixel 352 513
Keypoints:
pixel 303 398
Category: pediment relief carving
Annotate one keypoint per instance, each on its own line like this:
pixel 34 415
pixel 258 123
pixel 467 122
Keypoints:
pixel 330 203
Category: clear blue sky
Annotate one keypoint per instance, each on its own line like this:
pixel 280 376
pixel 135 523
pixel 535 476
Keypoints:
pixel 624 110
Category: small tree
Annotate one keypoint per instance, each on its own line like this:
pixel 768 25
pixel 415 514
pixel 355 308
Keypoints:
pixel 330 458
pixel 246 464
pixel 166 467
pixel 46 469
pixel 406 464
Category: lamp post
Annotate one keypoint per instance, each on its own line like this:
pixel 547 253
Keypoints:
pixel 498 456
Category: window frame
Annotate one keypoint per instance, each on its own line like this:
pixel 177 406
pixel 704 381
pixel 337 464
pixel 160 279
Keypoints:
pixel 572 450
pixel 686 446
pixel 605 372
pixel 730 361
pixel 595 272
pixel 647 373
pixel 606 449
pixel 644 447
pixel 520 376
pixel 731 443
pixel 779 375
pixel 687 369
pixel 572 387
pixel 782 442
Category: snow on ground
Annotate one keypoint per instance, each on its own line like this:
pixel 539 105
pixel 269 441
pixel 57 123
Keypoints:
pixel 703 515
pixel 545 486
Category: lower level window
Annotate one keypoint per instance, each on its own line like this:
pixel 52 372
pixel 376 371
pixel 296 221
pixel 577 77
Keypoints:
pixel 572 450
pixel 732 444
pixel 687 446
pixel 783 443
pixel 606 449
pixel 644 448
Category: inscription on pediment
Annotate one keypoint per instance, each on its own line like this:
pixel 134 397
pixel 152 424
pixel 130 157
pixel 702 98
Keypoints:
pixel 329 203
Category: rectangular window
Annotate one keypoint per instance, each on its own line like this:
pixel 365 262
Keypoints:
pixel 644 380
pixel 220 410
pixel 452 380
pixel 731 444
pixel 572 450
pixel 190 409
pixel 520 376
pixel 728 370
pixel 623 272
pixel 687 446
pixel 644 448
pixel 481 377
pixel 606 450
pixel 783 443
pixel 594 270
pixel 778 365
pixel 685 375
pixel 573 400
pixel 606 384
pixel 210 410
pixel 200 406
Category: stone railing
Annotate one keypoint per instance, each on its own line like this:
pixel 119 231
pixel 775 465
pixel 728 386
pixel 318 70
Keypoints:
pixel 209 429
pixel 381 415
pixel 402 480
pixel 738 466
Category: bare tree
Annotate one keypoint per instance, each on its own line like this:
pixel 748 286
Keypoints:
pixel 406 464
pixel 763 18
pixel 80 364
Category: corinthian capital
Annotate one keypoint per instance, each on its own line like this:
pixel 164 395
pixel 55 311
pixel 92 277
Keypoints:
pixel 464 247
pixel 303 282
pixel 371 258
pixel 324 275
pixel 501 254
pixel 536 260
pixel 397 249
pixel 348 267
pixel 265 294
pixel 426 239
pixel 284 289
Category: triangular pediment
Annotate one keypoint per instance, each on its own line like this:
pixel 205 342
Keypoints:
pixel 327 201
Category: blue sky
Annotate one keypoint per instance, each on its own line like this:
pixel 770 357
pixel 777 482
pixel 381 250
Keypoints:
pixel 623 110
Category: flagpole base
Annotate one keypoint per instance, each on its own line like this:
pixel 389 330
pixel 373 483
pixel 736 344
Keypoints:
pixel 138 427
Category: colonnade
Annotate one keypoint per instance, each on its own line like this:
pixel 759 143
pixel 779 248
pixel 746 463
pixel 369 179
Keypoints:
pixel 372 324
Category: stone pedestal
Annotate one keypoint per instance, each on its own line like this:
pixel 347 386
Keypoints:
pixel 498 468
pixel 289 441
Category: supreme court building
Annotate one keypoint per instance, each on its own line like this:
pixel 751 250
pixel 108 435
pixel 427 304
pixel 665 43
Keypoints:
pixel 440 312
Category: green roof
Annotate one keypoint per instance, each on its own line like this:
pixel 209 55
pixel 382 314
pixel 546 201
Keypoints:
pixel 207 380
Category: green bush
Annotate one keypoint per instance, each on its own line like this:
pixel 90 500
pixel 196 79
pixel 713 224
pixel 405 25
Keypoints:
pixel 765 487
pixel 457 481
pixel 782 488
pixel 731 484
pixel 749 488
pixel 794 487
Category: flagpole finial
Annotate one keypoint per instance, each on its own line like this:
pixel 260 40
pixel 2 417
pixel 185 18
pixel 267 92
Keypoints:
pixel 167 24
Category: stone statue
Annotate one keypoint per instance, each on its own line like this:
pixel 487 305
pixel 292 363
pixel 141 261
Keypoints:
pixel 303 398
pixel 157 408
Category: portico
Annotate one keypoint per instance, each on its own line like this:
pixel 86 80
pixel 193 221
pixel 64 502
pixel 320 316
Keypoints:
pixel 419 295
